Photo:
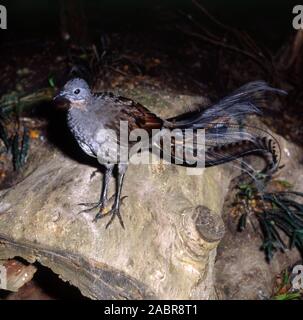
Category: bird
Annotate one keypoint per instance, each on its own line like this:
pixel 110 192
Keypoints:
pixel 94 119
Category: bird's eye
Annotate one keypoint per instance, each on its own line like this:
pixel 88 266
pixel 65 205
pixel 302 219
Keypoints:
pixel 77 91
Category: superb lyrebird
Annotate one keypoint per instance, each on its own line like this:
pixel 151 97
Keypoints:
pixel 92 116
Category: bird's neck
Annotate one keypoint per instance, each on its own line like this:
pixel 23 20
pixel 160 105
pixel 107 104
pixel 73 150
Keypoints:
pixel 82 105
pixel 79 122
pixel 76 112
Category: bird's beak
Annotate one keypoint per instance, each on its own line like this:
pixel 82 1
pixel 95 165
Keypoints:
pixel 61 96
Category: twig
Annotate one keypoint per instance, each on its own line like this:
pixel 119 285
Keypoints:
pixel 118 71
pixel 227 46
pixel 211 17
pixel 243 37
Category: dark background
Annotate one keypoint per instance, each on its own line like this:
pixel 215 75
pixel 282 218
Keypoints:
pixel 269 20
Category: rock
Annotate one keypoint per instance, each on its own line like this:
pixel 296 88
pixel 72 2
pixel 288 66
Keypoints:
pixel 172 224
pixel 17 274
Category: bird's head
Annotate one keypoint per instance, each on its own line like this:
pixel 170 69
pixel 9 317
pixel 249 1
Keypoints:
pixel 76 92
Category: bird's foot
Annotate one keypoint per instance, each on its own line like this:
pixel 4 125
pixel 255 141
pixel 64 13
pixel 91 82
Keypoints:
pixel 100 204
pixel 92 206
pixel 115 211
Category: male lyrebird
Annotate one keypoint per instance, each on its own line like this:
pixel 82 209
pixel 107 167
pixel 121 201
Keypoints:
pixel 94 117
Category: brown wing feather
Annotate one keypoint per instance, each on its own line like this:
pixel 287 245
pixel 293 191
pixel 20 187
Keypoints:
pixel 138 116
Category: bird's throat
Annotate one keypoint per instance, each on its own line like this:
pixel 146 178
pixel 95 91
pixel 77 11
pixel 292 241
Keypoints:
pixel 78 104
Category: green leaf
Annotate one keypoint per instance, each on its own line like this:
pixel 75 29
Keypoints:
pixel 288 296
pixel 51 82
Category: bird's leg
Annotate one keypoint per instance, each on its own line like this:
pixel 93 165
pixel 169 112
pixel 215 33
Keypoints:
pixel 115 210
pixel 103 197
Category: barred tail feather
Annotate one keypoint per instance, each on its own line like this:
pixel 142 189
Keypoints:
pixel 263 146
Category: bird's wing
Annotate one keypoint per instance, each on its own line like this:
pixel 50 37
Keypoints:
pixel 127 110
pixel 138 116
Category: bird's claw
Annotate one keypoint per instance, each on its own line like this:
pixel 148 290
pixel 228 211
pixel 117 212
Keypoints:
pixel 113 212
pixel 98 216
pixel 92 205
pixel 100 204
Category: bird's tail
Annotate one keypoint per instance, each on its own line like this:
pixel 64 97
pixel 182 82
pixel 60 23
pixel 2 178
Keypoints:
pixel 226 139
pixel 232 108
pixel 241 141
pixel 220 144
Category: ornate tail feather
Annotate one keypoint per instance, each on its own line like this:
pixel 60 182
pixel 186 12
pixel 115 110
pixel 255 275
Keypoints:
pixel 262 146
pixel 225 139
pixel 217 153
pixel 236 106
pixel 223 143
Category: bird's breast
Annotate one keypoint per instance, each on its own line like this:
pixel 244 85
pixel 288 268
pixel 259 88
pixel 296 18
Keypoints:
pixel 83 129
